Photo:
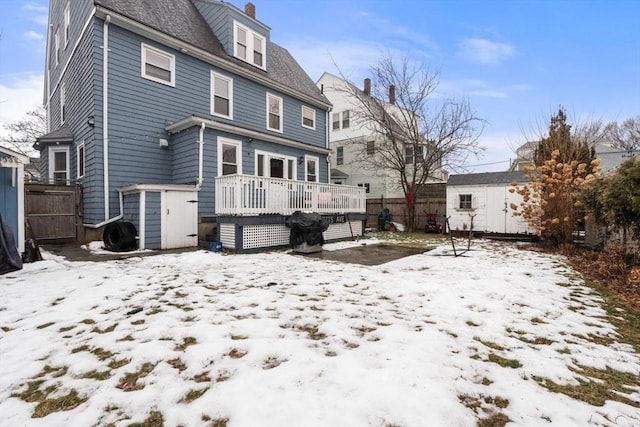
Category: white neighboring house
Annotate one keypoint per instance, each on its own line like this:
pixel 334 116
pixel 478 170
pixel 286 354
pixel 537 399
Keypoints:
pixel 484 198
pixel 344 127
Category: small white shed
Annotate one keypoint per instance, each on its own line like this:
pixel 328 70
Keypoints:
pixel 483 199
pixel 12 192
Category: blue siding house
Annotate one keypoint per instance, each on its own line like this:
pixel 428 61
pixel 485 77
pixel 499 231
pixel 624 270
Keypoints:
pixel 12 192
pixel 185 119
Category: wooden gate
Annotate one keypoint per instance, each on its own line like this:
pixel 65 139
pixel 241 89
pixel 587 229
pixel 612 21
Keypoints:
pixel 52 210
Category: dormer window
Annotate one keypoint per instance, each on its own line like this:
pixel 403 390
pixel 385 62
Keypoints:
pixel 249 46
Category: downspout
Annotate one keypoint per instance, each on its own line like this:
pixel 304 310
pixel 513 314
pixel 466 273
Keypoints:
pixel 328 146
pixel 105 115
pixel 109 221
pixel 201 158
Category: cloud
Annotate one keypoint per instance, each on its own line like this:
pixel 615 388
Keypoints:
pixel 37 13
pixel 21 95
pixel 33 35
pixel 484 51
pixel 480 88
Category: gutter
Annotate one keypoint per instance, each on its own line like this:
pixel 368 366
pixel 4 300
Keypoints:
pixel 201 157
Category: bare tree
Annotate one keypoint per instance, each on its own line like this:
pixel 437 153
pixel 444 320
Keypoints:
pixel 23 133
pixel 416 133
pixel 625 136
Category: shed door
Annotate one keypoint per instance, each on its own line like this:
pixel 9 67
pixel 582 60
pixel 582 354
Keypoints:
pixel 180 219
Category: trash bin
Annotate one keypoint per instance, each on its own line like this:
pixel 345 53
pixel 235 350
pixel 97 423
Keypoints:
pixel 306 231
pixel 384 217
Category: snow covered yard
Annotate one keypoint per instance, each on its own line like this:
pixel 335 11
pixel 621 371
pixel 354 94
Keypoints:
pixel 276 339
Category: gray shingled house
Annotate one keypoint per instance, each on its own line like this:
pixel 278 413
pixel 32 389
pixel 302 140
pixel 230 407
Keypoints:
pixel 182 117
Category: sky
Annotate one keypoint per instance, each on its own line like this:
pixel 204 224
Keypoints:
pixel 516 62
pixel 280 339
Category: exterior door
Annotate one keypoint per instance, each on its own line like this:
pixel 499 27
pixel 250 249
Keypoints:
pixel 180 219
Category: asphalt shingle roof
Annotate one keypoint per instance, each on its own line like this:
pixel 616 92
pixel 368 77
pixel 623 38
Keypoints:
pixel 181 19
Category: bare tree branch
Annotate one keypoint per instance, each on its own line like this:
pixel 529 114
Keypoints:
pixel 23 133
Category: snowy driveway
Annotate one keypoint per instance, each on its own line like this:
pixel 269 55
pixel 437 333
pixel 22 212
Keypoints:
pixel 275 339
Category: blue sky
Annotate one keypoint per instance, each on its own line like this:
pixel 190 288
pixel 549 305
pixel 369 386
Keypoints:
pixel 516 61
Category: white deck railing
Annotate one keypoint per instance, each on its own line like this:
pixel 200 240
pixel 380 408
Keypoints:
pixel 254 195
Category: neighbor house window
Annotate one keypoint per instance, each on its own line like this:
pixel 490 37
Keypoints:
pixel 308 117
pixel 274 113
pixel 409 153
pixel 371 148
pixel 63 102
pixel 249 46
pixel 229 157
pixel 311 168
pixel 345 119
pixel 465 201
pixel 67 22
pixel 335 121
pixel 221 96
pixel 366 186
pixel 158 66
pixel 339 155
pixel 80 159
pixel 59 165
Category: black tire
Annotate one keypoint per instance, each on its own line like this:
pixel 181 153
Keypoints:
pixel 119 236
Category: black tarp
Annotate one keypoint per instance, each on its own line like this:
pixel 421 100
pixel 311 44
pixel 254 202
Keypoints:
pixel 306 227
pixel 10 259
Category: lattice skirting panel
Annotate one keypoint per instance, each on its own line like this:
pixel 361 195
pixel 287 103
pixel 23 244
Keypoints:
pixel 264 236
pixel 342 230
pixel 228 235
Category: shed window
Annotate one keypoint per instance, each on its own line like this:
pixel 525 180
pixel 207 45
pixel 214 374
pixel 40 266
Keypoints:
pixel 158 66
pixel 465 201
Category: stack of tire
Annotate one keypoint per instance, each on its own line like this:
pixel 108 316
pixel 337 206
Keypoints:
pixel 120 237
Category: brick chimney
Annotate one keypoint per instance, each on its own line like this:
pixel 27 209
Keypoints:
pixel 392 94
pixel 250 10
pixel 367 86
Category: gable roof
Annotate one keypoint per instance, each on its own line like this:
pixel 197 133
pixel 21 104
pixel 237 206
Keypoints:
pixel 8 156
pixel 486 178
pixel 181 19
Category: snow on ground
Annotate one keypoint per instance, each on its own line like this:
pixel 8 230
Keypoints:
pixel 277 339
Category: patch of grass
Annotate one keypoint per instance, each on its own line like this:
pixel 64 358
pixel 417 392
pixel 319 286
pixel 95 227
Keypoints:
pixel 97 375
pixel 495 420
pixel 66 328
pixel 118 363
pixel 127 338
pixel 55 371
pixel 536 340
pixel 130 380
pixel 177 364
pixel 186 342
pixel 236 353
pixel 154 310
pixel 537 321
pixel 202 377
pixel 219 422
pixel 486 404
pixel 239 337
pixel 504 362
pixel 154 419
pixel 88 321
pixel 79 349
pixel 62 403
pixel 45 325
pixel 137 322
pixel 194 395
pixel 6 329
pixel 490 344
pixel 33 393
pixel 272 362
pixel 472 324
pixel 101 353
pixel 105 330
pixel 601 385
pixel 564 350
pixel 57 301
pixel 350 345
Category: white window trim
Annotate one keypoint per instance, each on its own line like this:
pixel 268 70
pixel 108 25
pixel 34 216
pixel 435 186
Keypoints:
pixel 249 45
pixel 268 155
pixel 58 149
pixel 316 160
pixel 213 94
pixel 143 60
pixel 313 111
pixel 67 23
pixel 63 102
pixel 238 145
pixel 56 54
pixel 270 95
pixel 79 147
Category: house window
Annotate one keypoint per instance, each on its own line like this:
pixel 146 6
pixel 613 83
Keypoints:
pixel 336 121
pixel 345 119
pixel 308 117
pixel 63 102
pixel 57 48
pixel 80 159
pixel 371 148
pixel 221 96
pixel 273 165
pixel 249 46
pixel 59 165
pixel 311 168
pixel 158 66
pixel 274 113
pixel 339 155
pixel 464 201
pixel 67 21
pixel 229 157
pixel 366 186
